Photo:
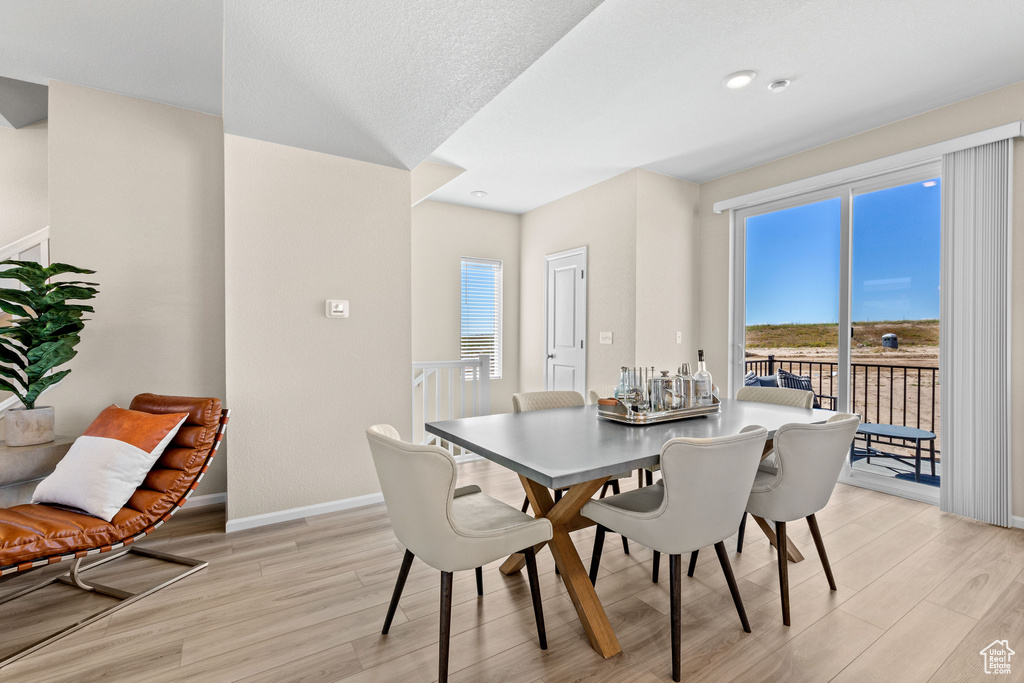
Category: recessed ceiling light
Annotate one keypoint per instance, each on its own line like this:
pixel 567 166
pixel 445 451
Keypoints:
pixel 779 85
pixel 930 183
pixel 740 79
pixel 478 193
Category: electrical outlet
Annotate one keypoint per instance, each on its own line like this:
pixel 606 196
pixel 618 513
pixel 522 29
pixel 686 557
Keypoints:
pixel 606 337
pixel 679 337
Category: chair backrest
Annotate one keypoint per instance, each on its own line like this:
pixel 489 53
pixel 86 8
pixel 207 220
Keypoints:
pixel 810 458
pixel 545 400
pixel 777 395
pixel 418 483
pixel 707 483
pixel 596 394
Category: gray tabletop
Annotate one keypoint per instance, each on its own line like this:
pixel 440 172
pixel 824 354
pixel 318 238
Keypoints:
pixel 568 446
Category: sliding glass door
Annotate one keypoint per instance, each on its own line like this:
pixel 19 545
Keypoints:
pixel 837 290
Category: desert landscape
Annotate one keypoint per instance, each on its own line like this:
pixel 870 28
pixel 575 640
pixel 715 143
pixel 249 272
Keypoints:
pixel 889 386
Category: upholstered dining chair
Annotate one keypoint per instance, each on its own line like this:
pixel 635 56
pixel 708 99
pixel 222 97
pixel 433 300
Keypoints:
pixel 451 529
pixel 809 458
pixel 798 398
pixel 547 400
pixel 698 501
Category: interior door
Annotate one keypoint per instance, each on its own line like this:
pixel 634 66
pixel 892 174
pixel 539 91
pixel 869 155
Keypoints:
pixel 566 333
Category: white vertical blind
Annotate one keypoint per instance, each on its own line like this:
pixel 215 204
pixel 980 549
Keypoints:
pixel 481 311
pixel 974 340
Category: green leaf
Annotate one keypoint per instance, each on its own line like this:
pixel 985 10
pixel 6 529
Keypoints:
pixel 40 386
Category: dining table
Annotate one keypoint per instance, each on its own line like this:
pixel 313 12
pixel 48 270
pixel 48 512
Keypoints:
pixel 575 449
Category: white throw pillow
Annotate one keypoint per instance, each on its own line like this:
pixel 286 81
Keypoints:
pixel 99 474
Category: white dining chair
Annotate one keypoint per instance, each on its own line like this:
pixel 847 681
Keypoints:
pixel 451 529
pixel 809 458
pixel 547 400
pixel 781 396
pixel 698 501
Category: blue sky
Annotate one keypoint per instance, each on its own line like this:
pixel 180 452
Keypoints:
pixel 793 259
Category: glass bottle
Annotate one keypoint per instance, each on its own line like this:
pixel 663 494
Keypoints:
pixel 622 391
pixel 702 382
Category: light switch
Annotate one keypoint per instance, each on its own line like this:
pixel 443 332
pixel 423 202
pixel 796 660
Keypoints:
pixel 336 308
pixel 679 337
pixel 606 337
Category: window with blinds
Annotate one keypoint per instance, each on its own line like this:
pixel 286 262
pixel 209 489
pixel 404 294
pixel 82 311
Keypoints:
pixel 481 311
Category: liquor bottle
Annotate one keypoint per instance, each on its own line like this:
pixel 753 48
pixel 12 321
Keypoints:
pixel 702 382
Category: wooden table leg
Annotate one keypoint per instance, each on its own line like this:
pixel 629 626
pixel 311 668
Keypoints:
pixel 791 550
pixel 565 517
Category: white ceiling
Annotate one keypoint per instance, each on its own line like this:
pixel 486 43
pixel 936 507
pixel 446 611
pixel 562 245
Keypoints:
pixel 640 84
pixel 166 51
pixel 536 99
pixel 385 81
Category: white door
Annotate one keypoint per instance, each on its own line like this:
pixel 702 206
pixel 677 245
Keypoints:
pixel 566 334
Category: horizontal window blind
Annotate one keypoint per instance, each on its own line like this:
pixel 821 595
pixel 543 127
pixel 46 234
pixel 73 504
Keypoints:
pixel 481 311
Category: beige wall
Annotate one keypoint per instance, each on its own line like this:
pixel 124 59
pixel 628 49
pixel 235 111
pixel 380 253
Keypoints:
pixel 978 113
pixel 602 218
pixel 24 202
pixel 666 270
pixel 641 232
pixel 303 227
pixel 441 235
pixel 137 193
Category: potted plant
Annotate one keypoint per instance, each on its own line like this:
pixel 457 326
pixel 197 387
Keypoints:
pixel 42 334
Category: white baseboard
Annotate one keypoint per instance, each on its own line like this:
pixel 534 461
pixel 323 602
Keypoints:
pixel 206 500
pixel 1017 522
pixel 299 513
pixel 894 487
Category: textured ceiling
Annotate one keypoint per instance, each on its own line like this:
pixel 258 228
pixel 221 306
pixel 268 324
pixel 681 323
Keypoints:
pixel 640 84
pixel 385 81
pixel 166 51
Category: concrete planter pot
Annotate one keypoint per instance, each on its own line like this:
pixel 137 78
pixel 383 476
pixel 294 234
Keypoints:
pixel 29 427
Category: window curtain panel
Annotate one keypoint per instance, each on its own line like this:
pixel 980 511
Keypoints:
pixel 974 367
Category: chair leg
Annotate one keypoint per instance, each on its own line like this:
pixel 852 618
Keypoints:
pixel 639 478
pixel 657 566
pixel 812 522
pixel 595 558
pixel 780 540
pixel 723 559
pixel 604 490
pixel 558 495
pixel 526 503
pixel 615 486
pixel 739 536
pixel 446 626
pixel 675 566
pixel 625 545
pixel 403 574
pixel 693 563
pixel 480 581
pixel 538 609
pixel 650 477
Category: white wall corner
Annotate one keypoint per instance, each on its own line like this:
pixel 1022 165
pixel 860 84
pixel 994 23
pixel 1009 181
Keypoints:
pixel 429 177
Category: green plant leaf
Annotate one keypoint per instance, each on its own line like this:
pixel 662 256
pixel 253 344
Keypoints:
pixel 40 386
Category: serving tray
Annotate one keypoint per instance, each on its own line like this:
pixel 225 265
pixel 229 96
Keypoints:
pixel 619 413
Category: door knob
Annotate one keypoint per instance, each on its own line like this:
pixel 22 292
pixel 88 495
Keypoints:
pixel 550 356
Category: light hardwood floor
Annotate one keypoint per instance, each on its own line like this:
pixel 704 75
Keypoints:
pixel 920 594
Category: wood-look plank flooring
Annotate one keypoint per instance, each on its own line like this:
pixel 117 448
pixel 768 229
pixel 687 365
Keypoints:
pixel 920 593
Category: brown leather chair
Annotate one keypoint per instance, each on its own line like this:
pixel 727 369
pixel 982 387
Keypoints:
pixel 33 536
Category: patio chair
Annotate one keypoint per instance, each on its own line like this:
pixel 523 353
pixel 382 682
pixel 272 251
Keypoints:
pixel 34 536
